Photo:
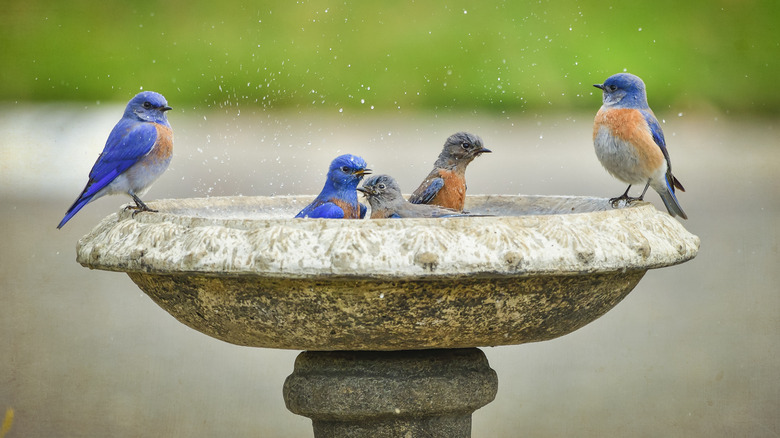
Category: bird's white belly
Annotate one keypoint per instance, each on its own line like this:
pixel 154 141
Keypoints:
pixel 137 179
pixel 619 157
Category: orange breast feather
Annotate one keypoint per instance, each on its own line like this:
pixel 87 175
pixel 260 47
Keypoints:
pixel 453 194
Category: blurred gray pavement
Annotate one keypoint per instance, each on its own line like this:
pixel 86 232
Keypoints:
pixel 692 351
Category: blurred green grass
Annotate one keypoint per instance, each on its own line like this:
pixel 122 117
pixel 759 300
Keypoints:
pixel 393 55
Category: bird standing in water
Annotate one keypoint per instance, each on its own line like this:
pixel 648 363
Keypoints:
pixel 446 184
pixel 338 198
pixel 384 197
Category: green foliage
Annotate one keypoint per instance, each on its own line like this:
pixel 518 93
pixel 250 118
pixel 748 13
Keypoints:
pixel 389 55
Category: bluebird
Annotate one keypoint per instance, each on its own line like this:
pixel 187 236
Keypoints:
pixel 630 143
pixel 338 198
pixel 386 201
pixel 137 152
pixel 446 184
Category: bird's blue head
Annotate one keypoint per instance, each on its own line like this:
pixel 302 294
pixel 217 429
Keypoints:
pixel 347 170
pixel 148 106
pixel 624 90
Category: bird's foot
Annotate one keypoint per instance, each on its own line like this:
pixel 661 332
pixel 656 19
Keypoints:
pixel 624 197
pixel 139 207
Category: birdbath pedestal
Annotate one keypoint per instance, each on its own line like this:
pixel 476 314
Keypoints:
pixel 389 312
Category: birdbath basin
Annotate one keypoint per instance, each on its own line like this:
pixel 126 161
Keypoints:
pixel 390 311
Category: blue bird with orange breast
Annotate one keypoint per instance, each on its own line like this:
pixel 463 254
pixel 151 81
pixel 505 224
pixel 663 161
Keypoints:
pixel 338 198
pixel 630 144
pixel 446 184
pixel 137 152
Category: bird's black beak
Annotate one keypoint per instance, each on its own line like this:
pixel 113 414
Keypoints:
pixel 165 108
pixel 599 86
pixel 364 191
pixel 363 172
pixel 484 151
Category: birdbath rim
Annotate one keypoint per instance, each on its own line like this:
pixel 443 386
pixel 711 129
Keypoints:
pixel 517 235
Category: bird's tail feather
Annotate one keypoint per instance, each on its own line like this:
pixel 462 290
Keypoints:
pixel 78 205
pixel 670 200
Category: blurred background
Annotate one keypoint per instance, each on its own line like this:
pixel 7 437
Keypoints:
pixel 265 95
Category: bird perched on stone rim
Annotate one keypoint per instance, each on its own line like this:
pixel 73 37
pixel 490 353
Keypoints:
pixel 137 152
pixel 445 185
pixel 630 144
pixel 338 198
pixel 386 201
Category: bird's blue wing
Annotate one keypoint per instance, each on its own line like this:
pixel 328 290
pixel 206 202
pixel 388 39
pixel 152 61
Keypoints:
pixel 429 193
pixel 327 210
pixel 363 210
pixel 128 142
pixel 658 138
pixel 658 134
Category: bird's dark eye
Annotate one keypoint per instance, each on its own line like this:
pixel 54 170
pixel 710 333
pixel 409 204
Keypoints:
pixel 465 145
pixel 345 169
pixel 611 88
pixel 381 186
pixel 147 105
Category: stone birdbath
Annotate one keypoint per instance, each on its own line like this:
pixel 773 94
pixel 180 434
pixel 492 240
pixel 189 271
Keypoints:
pixel 389 312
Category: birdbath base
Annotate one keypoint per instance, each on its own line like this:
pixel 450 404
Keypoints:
pixel 419 393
